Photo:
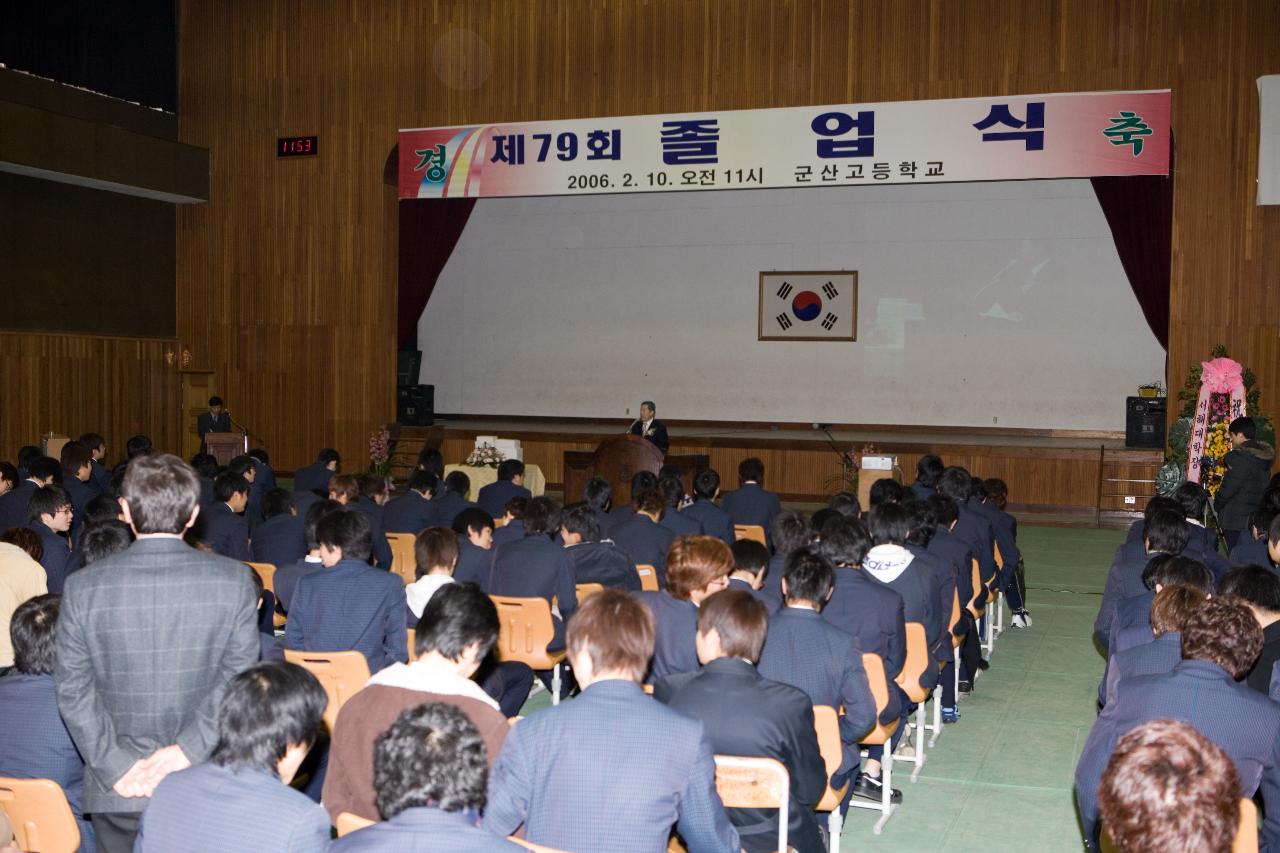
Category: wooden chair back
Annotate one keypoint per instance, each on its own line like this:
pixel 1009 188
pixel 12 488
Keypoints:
pixel 341 673
pixel 648 578
pixel 348 823
pixel 879 682
pixel 403 561
pixel 826 722
pixel 916 664
pixel 749 531
pixel 586 590
pixel 755 783
pixel 525 630
pixel 39 815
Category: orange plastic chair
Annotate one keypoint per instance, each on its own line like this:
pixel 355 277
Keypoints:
pixel 976 609
pixel 586 590
pixel 403 561
pixel 348 823
pixel 413 641
pixel 341 673
pixel 749 531
pixel 826 723
pixel 525 630
pixel 755 783
pixel 648 578
pixel 881 734
pixel 39 815
pixel 913 669
pixel 267 573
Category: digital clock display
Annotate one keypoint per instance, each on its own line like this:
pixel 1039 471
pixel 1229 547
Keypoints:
pixel 297 146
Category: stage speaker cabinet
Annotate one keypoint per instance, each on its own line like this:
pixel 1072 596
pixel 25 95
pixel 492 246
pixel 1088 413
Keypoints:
pixel 1144 422
pixel 415 405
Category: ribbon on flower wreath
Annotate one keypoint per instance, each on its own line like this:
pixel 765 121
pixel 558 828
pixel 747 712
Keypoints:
pixel 1220 376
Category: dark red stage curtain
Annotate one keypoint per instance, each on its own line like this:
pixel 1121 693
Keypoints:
pixel 429 231
pixel 1139 211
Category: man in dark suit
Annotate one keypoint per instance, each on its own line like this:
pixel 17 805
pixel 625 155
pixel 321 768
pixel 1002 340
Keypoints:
pixel 412 511
pixel 97 445
pixel 750 503
pixel 429 771
pixel 240 799
pixel 286 578
pixel 345 489
pixel 1219 643
pixel 315 477
pixel 282 538
pixel 595 560
pixel 136 709
pixel 348 604
pixel 510 484
pixel 649 427
pixel 36 744
pixel 747 714
pixel 50 520
pixel 806 651
pixel 697 567
pixel 673 519
pixel 77 472
pixel 537 567
pixel 15 503
pixel 224 528
pixel 474 528
pixel 216 419
pixel 715 521
pixel 559 770
pixel 641 536
pixel 1164 533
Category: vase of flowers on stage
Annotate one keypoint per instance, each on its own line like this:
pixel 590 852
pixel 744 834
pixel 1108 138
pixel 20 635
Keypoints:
pixel 380 455
pixel 485 456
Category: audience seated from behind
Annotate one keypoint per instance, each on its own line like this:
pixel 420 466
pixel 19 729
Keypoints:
pixel 348 604
pixel 697 567
pixel 536 567
pixel 1131 625
pixel 413 510
pixel 247 466
pixel 562 772
pixel 1259 590
pixel 35 743
pixel 345 489
pixel 750 503
pixel 971 527
pixel 15 503
pixel 673 519
pixel 957 554
pixel 790 531
pixel 206 466
pixel 750 562
pixel 265 474
pixel 1251 546
pixel 451 499
pixel 1164 532
pixel 431 460
pixel 747 714
pixel 598 494
pixel 475 547
pixel 240 798
pixel 1170 609
pixel 286 578
pixel 512 527
pixel 641 481
pixel 435 553
pixel 641 535
pixel 1202 542
pixel 510 484
pixel 430 773
pixel 97 446
pixel 50 519
pixel 595 560
pixel 1245 482
pixel 458 628
pixel 922 527
pixel 21 578
pixel 222 526
pixel 929 470
pixel 1220 642
pixel 714 520
pixel 1169 789
pixel 806 651
pixel 845 503
pixel 77 480
pixel 994 494
pixel 315 477
pixel 281 539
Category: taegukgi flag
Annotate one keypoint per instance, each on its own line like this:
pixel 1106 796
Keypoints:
pixel 808 306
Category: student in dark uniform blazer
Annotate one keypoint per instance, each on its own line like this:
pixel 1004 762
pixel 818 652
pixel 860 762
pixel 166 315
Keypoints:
pixel 452 499
pixel 50 520
pixel 791 530
pixel 715 521
pixel 929 470
pixel 282 538
pixel 101 478
pixel 751 504
pixel 1259 590
pixel 345 489
pixel 598 494
pixel 315 477
pixel 1170 609
pixel 750 562
pixel 641 481
pixel 891 563
pixel 747 714
pixel 510 483
pixel 474 528
pixel 644 540
pixel 697 566
pixel 225 530
pixel 287 576
pixel 595 560
pixel 413 511
pixel 15 503
pixel 536 567
pixel 1219 643
pixel 649 427
pixel 971 528
pixel 673 519
pixel 77 473
pixel 1165 534
pixel 1251 547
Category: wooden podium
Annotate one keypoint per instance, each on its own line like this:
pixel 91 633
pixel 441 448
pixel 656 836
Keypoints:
pixel 225 446
pixel 618 460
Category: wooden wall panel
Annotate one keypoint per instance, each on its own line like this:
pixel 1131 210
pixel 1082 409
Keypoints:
pixel 287 278
pixel 73 384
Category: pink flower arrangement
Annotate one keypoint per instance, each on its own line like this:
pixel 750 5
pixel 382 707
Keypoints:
pixel 380 451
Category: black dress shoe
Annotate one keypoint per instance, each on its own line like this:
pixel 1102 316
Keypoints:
pixel 871 788
pixel 984 664
pixel 966 687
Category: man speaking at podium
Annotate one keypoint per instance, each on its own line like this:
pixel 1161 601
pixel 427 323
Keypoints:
pixel 214 420
pixel 650 427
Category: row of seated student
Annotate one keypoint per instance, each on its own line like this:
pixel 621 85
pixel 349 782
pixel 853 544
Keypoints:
pixel 338 602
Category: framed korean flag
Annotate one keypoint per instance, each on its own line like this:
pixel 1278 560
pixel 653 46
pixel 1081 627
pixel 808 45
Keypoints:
pixel 808 306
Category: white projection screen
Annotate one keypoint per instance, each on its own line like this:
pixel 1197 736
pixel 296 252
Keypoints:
pixel 980 304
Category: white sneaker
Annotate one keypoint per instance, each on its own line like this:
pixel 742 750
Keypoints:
pixel 1021 619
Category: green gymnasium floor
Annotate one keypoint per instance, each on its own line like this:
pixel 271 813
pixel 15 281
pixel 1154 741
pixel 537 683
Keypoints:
pixel 1000 779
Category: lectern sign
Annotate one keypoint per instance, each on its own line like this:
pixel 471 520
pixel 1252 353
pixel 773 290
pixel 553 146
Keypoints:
pixel 808 306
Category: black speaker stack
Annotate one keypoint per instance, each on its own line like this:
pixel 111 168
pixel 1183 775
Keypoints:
pixel 1144 422
pixel 415 405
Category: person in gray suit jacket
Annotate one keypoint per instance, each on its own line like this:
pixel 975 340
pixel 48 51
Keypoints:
pixel 240 799
pixel 612 770
pixel 147 643
pixel 429 775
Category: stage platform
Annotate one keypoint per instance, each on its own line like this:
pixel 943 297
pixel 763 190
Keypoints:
pixel 1055 476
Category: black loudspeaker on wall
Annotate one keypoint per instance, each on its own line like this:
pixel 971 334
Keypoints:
pixel 1144 419
pixel 415 405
